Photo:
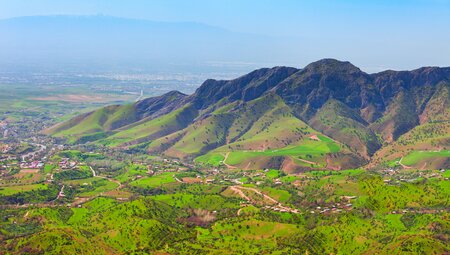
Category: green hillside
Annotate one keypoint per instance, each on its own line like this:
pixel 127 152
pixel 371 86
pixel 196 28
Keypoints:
pixel 275 134
pixel 263 130
pixel 425 145
pixel 361 118
pixel 149 129
pixel 93 125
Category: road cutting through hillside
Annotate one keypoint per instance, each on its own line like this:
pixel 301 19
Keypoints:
pixel 225 161
pixel 404 166
pixel 307 161
pixel 109 179
pixel 240 193
pixel 259 193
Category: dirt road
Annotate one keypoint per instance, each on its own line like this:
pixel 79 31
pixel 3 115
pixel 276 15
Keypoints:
pixel 277 207
pixel 225 162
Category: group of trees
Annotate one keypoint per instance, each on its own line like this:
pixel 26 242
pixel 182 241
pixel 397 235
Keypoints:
pixel 72 175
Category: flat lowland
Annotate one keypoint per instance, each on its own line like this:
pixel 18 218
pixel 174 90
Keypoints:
pixel 72 98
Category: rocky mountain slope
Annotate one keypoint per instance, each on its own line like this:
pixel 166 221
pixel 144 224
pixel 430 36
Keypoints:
pixel 329 114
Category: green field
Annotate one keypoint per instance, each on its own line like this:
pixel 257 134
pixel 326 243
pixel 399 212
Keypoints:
pixel 280 195
pixel 92 186
pixel 131 172
pixel 308 147
pixel 154 181
pixel 308 150
pixel 211 159
pixel 11 190
pixel 272 174
pixel 418 156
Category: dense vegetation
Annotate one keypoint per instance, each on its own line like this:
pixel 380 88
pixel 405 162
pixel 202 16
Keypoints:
pixel 407 217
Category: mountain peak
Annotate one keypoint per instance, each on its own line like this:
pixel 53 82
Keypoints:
pixel 279 107
pixel 332 65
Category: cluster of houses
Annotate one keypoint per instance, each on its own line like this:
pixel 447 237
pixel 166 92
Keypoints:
pixel 336 208
pixel 32 165
pixel 395 177
pixel 66 163
pixel 260 175
pixel 280 208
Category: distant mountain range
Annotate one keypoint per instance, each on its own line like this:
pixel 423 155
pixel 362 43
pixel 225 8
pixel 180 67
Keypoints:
pixel 66 41
pixel 328 115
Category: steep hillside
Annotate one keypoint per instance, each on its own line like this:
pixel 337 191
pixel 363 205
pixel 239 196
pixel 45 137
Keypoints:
pixel 337 120
pixel 328 115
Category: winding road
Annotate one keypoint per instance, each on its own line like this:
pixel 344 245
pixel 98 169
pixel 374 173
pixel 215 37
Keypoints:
pixel 404 166
pixel 94 174
pixel 225 162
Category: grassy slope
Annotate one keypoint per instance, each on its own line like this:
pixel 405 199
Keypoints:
pixel 222 127
pixel 99 121
pixel 272 133
pixel 147 130
pixel 201 136
pixel 423 146
pixel 416 157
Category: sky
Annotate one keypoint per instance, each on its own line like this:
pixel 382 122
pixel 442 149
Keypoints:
pixel 375 35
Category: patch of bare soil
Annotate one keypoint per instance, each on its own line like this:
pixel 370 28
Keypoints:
pixel 199 217
pixel 28 171
pixel 314 137
pixel 191 180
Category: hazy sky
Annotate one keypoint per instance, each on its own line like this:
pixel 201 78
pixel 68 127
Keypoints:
pixel 378 34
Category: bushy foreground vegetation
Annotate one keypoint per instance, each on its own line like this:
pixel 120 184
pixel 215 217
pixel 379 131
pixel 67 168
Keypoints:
pixel 407 217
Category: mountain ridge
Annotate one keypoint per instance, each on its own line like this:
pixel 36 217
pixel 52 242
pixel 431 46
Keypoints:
pixel 332 99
